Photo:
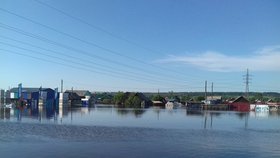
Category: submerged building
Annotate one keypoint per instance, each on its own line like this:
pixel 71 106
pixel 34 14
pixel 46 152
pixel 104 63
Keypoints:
pixel 32 96
pixel 240 104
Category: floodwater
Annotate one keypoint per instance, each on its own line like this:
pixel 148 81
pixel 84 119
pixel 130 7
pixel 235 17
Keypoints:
pixel 111 132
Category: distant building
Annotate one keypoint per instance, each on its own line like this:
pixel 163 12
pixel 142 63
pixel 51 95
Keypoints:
pixel 273 106
pixel 33 95
pixel 80 97
pixel 145 102
pixel 240 104
pixel 7 97
pixel 2 97
pixel 214 100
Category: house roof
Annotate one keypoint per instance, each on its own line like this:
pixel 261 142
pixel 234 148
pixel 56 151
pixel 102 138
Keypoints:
pixel 73 96
pixel 80 93
pixel 214 97
pixel 142 96
pixel 240 99
pixel 29 90
pixel 157 102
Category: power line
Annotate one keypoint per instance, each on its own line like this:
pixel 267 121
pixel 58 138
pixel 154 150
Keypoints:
pixel 95 27
pixel 87 61
pixel 79 39
pixel 76 67
pixel 87 42
pixel 70 48
pixel 63 59
pixel 118 74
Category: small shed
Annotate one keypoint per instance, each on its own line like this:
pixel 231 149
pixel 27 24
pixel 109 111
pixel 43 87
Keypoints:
pixel 240 104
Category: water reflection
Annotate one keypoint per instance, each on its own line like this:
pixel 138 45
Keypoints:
pixel 136 112
pixel 152 117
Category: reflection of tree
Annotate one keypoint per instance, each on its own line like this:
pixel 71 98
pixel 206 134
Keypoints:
pixel 138 112
pixel 241 115
pixel 215 113
pixel 135 112
pixel 122 111
pixel 194 112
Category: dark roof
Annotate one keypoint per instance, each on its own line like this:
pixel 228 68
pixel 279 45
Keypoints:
pixel 73 96
pixel 214 97
pixel 241 99
pixel 142 96
pixel 80 93
pixel 138 94
pixel 30 90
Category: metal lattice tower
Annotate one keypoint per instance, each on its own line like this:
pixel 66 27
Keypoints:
pixel 247 82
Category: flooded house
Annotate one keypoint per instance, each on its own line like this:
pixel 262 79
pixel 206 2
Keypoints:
pixel 145 101
pixel 2 97
pixel 80 97
pixel 273 106
pixel 240 104
pixel 214 100
pixel 44 96
pixel 194 105
pixel 32 96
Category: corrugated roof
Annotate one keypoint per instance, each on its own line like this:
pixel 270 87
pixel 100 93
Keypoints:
pixel 241 99
pixel 80 93
pixel 30 90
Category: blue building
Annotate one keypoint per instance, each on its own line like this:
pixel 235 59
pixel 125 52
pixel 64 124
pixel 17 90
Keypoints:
pixel 32 96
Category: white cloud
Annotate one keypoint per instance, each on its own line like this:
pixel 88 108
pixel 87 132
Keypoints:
pixel 266 59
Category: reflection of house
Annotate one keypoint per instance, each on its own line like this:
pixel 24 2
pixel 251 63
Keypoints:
pixel 240 104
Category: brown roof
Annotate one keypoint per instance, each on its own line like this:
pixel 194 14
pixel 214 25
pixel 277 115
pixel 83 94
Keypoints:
pixel 80 93
pixel 241 99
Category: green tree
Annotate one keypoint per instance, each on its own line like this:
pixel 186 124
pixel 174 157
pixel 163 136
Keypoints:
pixel 133 102
pixel 177 98
pixel 252 99
pixel 200 98
pixel 185 98
pixel 157 98
pixel 259 96
pixel 171 95
pixel 119 98
pixel 277 100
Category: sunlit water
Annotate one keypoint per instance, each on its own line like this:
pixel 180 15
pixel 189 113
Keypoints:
pixel 112 132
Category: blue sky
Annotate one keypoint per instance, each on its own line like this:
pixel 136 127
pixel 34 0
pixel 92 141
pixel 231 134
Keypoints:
pixel 140 45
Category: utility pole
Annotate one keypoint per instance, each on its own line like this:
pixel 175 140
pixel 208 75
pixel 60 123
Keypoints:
pixel 61 86
pixel 212 91
pixel 205 90
pixel 206 95
pixel 247 82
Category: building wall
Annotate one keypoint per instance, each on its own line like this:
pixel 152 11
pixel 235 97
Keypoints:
pixel 239 106
pixel 2 94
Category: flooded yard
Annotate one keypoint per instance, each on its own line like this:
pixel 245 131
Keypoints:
pixel 153 132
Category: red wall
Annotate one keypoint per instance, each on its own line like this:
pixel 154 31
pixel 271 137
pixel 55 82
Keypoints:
pixel 240 106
